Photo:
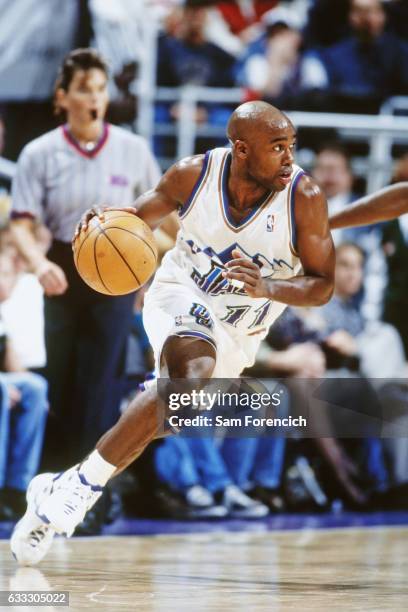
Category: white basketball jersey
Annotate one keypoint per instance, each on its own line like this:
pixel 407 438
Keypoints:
pixel 209 234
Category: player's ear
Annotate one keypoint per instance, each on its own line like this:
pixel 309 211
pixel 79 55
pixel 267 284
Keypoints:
pixel 241 149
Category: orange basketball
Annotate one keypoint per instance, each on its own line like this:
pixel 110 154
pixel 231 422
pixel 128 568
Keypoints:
pixel 116 256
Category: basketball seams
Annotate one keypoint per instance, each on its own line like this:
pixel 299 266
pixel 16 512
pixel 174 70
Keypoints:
pixel 82 244
pixel 104 233
pixel 90 234
pixel 133 234
pixel 125 216
pixel 91 250
pixel 96 261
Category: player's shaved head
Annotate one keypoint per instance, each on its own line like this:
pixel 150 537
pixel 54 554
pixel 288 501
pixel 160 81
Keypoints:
pixel 251 118
pixel 262 140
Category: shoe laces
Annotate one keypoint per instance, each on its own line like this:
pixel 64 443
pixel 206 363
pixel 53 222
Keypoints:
pixel 81 494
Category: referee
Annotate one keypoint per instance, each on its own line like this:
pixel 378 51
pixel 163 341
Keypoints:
pixel 84 163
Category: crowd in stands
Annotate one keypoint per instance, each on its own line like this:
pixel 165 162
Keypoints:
pixel 319 55
pixel 280 56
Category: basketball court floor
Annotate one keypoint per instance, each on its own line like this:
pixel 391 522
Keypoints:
pixel 354 562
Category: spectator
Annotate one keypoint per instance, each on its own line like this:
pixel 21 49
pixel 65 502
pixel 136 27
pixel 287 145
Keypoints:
pixel 256 466
pixel 233 25
pixel 241 15
pixel 25 326
pixel 332 170
pixel 23 412
pixel 368 342
pixel 370 64
pixel 326 23
pixel 196 469
pixel 119 34
pixel 348 332
pixel 59 176
pixel 273 66
pixel 189 59
pixel 338 328
pixel 351 346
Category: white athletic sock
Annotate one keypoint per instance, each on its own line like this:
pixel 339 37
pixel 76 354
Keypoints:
pixel 96 470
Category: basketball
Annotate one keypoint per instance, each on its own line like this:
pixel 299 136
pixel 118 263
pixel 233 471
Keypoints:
pixel 117 255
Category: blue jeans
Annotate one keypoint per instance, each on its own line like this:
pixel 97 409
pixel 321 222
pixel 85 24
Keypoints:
pixel 21 428
pixel 375 464
pixel 184 462
pixel 255 461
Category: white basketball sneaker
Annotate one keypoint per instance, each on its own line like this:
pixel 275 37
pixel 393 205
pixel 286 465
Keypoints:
pixel 71 498
pixel 31 537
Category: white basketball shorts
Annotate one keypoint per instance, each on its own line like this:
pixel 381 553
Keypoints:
pixel 176 309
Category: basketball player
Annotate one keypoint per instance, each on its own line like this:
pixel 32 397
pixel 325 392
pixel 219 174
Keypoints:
pixel 59 176
pixel 254 237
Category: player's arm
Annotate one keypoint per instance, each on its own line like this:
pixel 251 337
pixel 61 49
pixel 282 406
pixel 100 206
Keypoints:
pixel 315 250
pixel 384 205
pixel 154 206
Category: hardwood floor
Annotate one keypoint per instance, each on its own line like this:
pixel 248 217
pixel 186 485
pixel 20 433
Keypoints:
pixel 337 569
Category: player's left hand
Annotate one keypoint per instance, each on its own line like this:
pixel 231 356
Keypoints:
pixel 247 273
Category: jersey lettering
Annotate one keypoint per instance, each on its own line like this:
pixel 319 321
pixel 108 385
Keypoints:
pixel 235 314
pixel 261 314
pixel 213 283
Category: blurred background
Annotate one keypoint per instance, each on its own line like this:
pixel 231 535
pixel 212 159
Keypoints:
pixel 177 70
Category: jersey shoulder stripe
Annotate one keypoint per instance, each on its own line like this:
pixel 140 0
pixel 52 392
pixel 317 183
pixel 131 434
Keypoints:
pixel 291 211
pixel 204 174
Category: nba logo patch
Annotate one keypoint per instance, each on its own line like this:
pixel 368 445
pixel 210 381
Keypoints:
pixel 178 320
pixel 270 223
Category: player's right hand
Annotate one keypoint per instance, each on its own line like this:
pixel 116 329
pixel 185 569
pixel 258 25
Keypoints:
pixel 96 211
pixel 52 278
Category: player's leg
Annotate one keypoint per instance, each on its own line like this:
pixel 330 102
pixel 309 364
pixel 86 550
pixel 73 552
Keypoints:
pixel 180 332
pixel 77 489
pixel 58 503
pixel 182 357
